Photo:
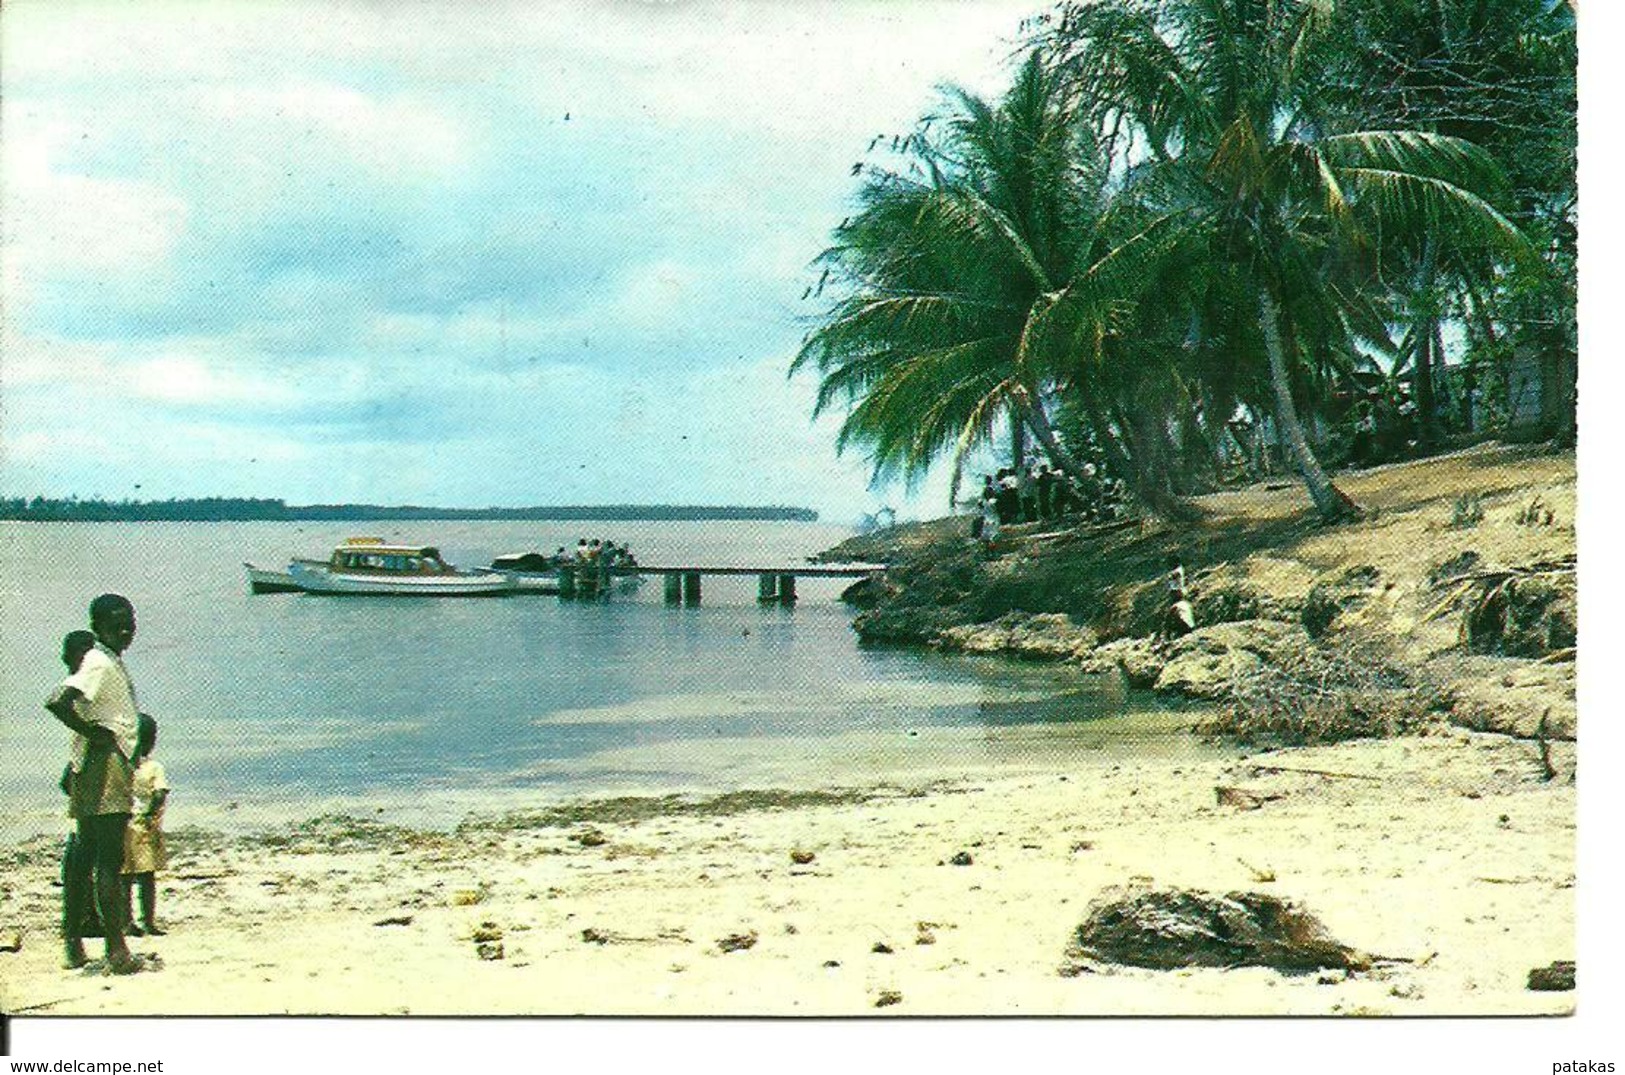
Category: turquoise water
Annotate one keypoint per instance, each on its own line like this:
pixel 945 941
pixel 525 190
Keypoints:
pixel 280 705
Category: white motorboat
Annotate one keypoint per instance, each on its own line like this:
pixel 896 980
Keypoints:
pixel 534 572
pixel 372 566
pixel 531 572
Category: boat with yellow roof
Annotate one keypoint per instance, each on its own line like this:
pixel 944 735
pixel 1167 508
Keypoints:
pixel 371 565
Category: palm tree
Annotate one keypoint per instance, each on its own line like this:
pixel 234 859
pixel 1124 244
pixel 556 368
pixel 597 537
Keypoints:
pixel 967 277
pixel 1501 74
pixel 1226 105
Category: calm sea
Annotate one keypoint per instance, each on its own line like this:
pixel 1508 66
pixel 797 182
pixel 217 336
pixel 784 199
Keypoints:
pixel 285 705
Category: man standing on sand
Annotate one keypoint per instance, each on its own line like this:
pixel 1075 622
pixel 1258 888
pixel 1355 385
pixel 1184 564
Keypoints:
pixel 98 703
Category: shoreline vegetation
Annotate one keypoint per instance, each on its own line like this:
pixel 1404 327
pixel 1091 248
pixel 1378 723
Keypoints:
pixel 1435 859
pixel 1451 601
pixel 259 509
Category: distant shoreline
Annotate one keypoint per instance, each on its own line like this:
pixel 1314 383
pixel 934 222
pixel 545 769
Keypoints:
pixel 236 509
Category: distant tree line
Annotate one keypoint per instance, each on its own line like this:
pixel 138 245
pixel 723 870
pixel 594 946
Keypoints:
pixel 260 509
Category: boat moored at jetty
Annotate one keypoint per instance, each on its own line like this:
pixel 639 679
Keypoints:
pixel 531 572
pixel 367 565
pixel 570 576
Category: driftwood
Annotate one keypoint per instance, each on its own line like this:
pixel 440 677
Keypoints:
pixel 1243 798
pixel 41 1006
pixel 1315 772
pixel 594 935
pixel 1496 578
pixel 1502 573
pixel 1262 876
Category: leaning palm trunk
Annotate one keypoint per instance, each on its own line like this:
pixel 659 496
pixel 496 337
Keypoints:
pixel 1161 503
pixel 1332 503
pixel 1427 355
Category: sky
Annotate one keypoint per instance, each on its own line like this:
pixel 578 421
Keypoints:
pixel 445 254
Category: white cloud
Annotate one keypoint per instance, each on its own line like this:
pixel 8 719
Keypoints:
pixel 800 69
pixel 190 379
pixel 55 220
pixel 393 135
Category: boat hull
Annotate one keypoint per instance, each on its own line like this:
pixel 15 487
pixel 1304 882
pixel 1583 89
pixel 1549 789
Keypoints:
pixel 544 582
pixel 322 580
pixel 261 580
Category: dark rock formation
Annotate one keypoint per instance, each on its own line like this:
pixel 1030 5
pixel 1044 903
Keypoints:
pixel 1168 928
pixel 868 593
pixel 1211 661
pixel 1046 636
pixel 1136 658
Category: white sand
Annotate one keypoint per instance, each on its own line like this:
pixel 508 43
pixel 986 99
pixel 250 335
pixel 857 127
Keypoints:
pixel 1458 857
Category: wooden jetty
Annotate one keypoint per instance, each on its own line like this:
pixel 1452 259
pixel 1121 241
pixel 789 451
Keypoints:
pixel 776 584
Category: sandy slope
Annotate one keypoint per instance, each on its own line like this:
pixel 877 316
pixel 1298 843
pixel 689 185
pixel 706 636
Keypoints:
pixel 1457 856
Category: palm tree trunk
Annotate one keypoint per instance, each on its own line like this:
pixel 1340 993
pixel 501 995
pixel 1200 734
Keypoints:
pixel 1486 328
pixel 1330 501
pixel 1422 382
pixel 1441 383
pixel 1161 503
pixel 1018 443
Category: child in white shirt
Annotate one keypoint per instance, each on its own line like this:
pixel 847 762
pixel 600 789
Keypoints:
pixel 144 852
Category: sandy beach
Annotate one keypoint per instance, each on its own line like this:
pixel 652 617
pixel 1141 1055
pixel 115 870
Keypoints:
pixel 1447 857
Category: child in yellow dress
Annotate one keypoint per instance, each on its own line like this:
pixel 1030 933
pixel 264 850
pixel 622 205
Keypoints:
pixel 144 837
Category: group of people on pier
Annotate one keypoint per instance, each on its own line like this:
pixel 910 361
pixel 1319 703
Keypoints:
pixel 593 565
pixel 1041 493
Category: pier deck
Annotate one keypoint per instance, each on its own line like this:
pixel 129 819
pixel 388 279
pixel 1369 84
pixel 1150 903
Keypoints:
pixel 806 571
pixel 776 584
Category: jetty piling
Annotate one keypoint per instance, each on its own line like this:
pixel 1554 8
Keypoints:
pixel 691 588
pixel 674 589
pixel 787 589
pixel 767 589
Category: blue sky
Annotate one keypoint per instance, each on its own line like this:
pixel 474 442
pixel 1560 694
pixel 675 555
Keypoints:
pixel 441 253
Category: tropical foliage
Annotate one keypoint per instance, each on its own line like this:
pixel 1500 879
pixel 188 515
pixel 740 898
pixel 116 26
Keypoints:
pixel 1188 219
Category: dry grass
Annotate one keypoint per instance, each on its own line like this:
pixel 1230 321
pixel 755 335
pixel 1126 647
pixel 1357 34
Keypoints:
pixel 1326 694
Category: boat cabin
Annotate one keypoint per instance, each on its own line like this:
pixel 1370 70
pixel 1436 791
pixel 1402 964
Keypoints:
pixel 375 555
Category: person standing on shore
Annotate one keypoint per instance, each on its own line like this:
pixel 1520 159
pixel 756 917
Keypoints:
pixel 992 515
pixel 75 644
pixel 144 852
pixel 97 702
pixel 1180 619
pixel 1046 482
pixel 1009 497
